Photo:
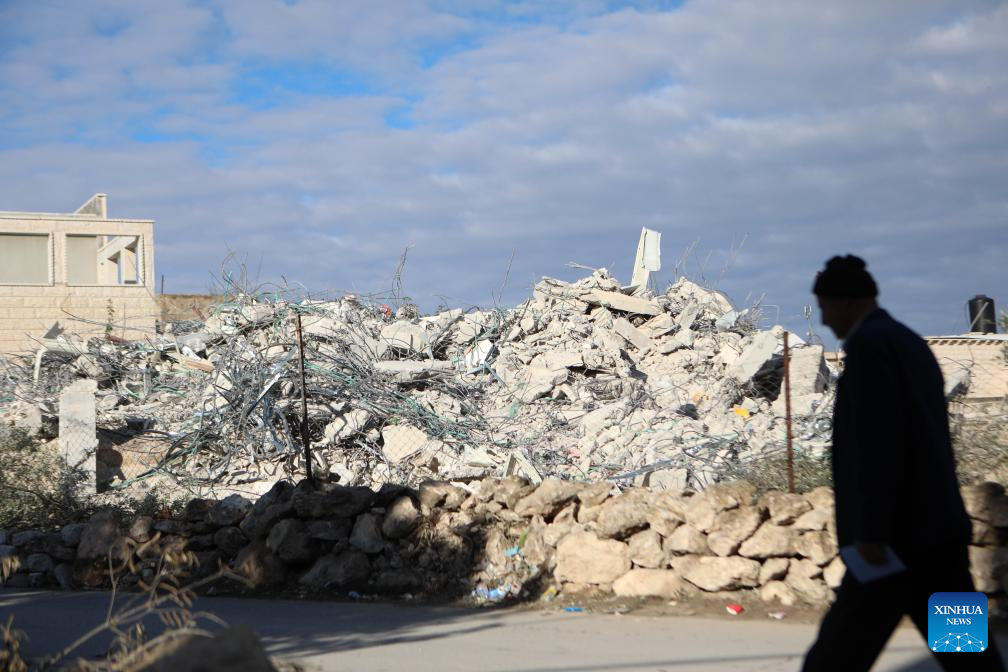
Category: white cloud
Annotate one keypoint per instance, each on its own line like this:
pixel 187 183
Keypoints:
pixel 378 38
pixel 875 128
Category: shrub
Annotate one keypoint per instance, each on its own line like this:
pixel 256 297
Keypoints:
pixel 980 442
pixel 40 490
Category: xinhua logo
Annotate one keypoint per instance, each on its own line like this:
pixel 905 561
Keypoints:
pixel 957 622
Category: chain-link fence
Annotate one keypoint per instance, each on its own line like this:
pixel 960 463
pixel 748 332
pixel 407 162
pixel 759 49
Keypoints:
pixel 122 459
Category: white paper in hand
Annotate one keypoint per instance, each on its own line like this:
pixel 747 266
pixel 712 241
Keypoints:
pixel 865 572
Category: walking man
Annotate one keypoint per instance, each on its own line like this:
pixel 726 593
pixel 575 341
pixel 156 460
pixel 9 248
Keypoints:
pixel 894 479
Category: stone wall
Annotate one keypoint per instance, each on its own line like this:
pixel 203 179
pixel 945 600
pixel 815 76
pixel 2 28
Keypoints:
pixel 494 540
pixel 976 360
pixel 29 311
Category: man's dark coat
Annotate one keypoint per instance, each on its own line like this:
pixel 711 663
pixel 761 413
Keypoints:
pixel 893 469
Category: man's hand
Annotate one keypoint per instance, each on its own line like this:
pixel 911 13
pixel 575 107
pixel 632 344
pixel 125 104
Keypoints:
pixel 874 554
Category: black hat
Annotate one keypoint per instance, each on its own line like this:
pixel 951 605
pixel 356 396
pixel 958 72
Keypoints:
pixel 847 278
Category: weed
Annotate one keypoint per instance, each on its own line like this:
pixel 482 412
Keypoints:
pixel 40 489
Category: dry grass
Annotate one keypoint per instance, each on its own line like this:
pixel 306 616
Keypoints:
pixel 10 648
pixel 769 472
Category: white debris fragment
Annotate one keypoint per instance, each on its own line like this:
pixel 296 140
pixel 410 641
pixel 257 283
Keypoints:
pixel 402 441
pixel 754 356
pixel 404 335
pixel 346 426
pixel 632 334
pixel 405 371
pixel 624 303
pixel 808 373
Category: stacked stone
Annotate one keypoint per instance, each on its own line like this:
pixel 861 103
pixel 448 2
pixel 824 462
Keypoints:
pixel 30 558
pixel 448 539
pixel 667 544
pixel 987 506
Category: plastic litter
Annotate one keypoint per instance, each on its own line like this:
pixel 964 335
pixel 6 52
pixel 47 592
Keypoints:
pixel 511 552
pixel 734 609
pixel 574 609
pixel 777 615
pixel 493 594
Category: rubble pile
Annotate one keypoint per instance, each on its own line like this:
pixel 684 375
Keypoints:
pixel 584 381
pixel 490 540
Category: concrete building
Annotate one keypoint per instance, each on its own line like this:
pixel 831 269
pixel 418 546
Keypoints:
pixel 977 361
pixel 80 273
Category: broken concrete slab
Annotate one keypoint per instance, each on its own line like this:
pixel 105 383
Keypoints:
pixel 804 404
pixel 623 303
pixel 708 298
pixel 554 360
pixel 632 334
pixel 407 371
pixel 808 371
pixel 346 426
pixel 403 441
pixel 403 335
pixel 539 381
pixel 688 315
pixel 557 294
pixel 519 465
pixel 659 325
pixel 757 353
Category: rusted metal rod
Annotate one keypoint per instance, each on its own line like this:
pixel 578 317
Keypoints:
pixel 787 413
pixel 304 400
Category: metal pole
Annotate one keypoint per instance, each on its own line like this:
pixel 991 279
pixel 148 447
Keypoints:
pixel 304 400
pixel 787 413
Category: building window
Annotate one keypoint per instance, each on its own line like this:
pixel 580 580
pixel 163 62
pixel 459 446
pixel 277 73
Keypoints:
pixel 104 260
pixel 82 255
pixel 24 259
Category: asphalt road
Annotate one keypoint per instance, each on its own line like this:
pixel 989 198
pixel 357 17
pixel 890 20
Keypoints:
pixel 360 636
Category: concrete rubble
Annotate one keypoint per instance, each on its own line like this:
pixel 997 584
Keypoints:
pixel 583 381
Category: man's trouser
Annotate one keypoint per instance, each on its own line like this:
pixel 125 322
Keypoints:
pixel 862 618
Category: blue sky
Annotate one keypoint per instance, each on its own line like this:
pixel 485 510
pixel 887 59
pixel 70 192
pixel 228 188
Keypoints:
pixel 315 141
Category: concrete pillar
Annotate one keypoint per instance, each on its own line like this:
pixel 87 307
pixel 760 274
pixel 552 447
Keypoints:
pixel 77 431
